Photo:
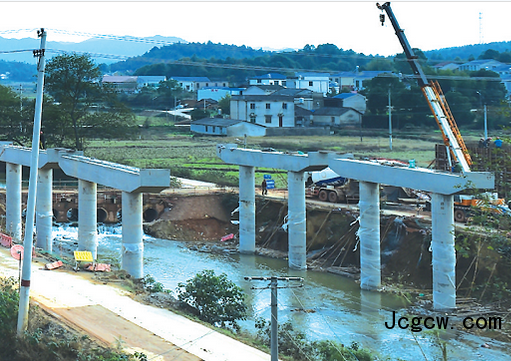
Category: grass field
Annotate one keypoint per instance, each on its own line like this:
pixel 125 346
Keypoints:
pixel 195 157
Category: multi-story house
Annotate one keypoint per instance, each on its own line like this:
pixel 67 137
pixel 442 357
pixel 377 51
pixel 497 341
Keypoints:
pixel 317 82
pixel 192 83
pixel 268 79
pixel 268 110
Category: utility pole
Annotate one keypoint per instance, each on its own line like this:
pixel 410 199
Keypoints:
pixel 390 123
pixel 485 124
pixel 274 340
pixel 32 188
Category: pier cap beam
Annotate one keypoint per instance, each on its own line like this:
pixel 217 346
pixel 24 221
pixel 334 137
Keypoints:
pixel 416 178
pixel 48 158
pixel 118 176
pixel 231 154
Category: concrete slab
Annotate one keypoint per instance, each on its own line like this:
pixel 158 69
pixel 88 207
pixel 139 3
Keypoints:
pixel 231 154
pixel 125 178
pixel 416 178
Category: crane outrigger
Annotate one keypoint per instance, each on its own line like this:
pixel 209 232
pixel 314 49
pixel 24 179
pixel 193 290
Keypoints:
pixel 433 93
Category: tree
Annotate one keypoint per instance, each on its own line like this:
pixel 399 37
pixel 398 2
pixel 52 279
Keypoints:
pixel 14 124
pixel 217 300
pixel 225 104
pixel 89 107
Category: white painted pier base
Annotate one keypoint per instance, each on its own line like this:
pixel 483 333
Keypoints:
pixel 87 217
pixel 132 234
pixel 44 209
pixel 247 210
pixel 369 235
pixel 13 201
pixel 296 221
pixel 443 252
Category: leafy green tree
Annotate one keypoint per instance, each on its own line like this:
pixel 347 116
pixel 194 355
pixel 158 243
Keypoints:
pixel 89 106
pixel 14 124
pixel 217 300
pixel 168 92
pixel 197 114
pixel 225 104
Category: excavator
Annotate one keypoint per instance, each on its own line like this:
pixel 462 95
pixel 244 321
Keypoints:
pixel 458 155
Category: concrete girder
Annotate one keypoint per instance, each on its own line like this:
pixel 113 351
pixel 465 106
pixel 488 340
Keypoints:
pixel 48 158
pixel 313 161
pixel 416 178
pixel 125 178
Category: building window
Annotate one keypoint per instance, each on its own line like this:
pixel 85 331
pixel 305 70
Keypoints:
pixel 214 129
pixel 252 105
pixel 311 83
pixel 267 119
pixel 252 119
pixel 284 105
pixel 258 81
pixel 267 105
pixel 283 83
pixel 333 120
pixel 207 128
pixel 207 84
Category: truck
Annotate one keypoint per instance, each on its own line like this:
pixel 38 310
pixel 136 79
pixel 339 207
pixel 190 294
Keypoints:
pixel 326 185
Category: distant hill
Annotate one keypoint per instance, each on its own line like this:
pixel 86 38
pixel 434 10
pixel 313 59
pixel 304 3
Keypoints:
pixel 467 51
pixel 192 51
pixel 121 47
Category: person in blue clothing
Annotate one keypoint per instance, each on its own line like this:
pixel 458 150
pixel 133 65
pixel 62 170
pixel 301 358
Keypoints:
pixel 498 143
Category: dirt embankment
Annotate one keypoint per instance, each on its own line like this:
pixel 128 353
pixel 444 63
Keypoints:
pixel 483 260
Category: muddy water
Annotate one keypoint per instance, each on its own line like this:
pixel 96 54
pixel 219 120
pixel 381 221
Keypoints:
pixel 341 311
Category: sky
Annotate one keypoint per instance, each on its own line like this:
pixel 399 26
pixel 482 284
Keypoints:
pixel 352 25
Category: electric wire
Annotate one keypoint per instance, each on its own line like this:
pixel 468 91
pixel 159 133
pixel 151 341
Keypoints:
pixel 220 65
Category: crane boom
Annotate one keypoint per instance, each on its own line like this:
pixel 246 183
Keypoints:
pixel 434 96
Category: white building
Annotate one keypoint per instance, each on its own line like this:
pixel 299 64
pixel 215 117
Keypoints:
pixel 267 110
pixel 217 93
pixel 192 83
pixel 227 127
pixel 268 79
pixel 336 117
pixel 317 82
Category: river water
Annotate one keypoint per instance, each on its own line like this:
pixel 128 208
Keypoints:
pixel 343 312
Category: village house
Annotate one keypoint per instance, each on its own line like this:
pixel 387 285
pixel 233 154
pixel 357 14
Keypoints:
pixel 268 110
pixel 227 127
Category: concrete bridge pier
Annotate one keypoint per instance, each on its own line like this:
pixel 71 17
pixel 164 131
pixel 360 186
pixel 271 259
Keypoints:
pixel 87 217
pixel 443 252
pixel 296 221
pixel 13 201
pixel 369 235
pixel 247 209
pixel 132 234
pixel 44 209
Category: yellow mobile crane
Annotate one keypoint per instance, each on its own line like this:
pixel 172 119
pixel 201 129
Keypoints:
pixel 434 96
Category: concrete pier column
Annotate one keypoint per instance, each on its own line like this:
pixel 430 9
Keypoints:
pixel 13 201
pixel 132 234
pixel 369 235
pixel 87 217
pixel 444 255
pixel 247 210
pixel 296 221
pixel 44 209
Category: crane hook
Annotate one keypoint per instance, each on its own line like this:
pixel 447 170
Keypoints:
pixel 382 19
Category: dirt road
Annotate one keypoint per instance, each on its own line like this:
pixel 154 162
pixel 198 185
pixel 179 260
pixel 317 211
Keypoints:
pixel 109 315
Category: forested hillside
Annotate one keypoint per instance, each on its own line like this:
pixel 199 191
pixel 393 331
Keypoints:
pixel 324 58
